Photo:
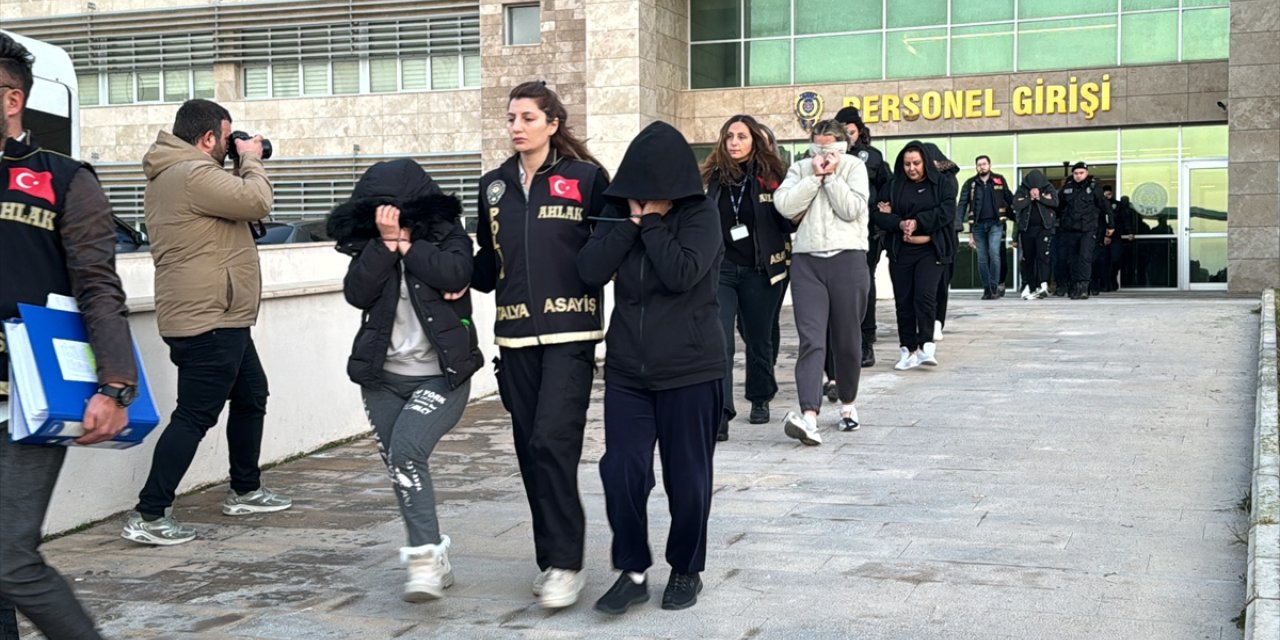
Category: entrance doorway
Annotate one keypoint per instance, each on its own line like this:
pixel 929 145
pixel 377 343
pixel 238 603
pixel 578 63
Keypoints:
pixel 1202 217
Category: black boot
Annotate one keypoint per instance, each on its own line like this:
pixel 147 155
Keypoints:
pixel 759 413
pixel 723 433
pixel 999 291
pixel 868 355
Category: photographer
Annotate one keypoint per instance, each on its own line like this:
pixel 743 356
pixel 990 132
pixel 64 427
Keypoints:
pixel 207 291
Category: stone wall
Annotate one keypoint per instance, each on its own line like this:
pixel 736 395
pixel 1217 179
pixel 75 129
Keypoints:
pixel 1253 240
pixel 559 59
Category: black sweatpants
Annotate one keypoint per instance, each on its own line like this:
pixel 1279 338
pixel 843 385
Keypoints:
pixel 1075 249
pixel 546 389
pixel 213 367
pixel 944 293
pixel 749 302
pixel 1034 243
pixel 683 422
pixel 917 277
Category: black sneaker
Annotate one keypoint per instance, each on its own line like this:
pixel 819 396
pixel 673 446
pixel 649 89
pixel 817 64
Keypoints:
pixel 759 413
pixel 623 595
pixel 868 355
pixel 999 291
pixel 829 389
pixel 987 295
pixel 1060 291
pixel 723 433
pixel 682 591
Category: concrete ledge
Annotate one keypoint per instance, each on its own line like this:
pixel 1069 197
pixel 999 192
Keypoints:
pixel 1262 612
pixel 146 304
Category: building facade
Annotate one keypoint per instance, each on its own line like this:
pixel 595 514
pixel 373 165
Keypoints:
pixel 1175 102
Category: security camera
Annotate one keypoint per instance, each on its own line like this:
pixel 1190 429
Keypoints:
pixel 1222 105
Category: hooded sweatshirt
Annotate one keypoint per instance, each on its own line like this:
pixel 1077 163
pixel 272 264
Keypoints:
pixel 665 329
pixel 197 214
pixel 1035 213
pixel 930 202
pixel 407 326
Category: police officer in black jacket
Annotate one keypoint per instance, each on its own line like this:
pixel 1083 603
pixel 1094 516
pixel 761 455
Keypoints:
pixel 535 216
pixel 664 362
pixel 1083 207
pixel 878 176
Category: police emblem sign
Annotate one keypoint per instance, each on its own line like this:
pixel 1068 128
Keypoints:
pixel 808 109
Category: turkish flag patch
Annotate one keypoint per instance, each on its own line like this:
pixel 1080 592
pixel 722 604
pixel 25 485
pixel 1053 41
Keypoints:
pixel 562 187
pixel 37 184
pixel 998 181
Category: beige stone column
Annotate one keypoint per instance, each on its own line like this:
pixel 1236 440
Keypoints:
pixel 1253 219
pixel 559 59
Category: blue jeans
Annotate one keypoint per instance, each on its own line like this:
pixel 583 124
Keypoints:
pixel 987 235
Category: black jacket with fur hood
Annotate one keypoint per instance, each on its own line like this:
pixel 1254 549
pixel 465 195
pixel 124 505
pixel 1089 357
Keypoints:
pixel 665 329
pixel 439 260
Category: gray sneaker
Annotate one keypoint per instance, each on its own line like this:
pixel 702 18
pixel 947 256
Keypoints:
pixel 263 500
pixel 164 532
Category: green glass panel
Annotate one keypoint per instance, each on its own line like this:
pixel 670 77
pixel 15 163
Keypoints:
pixel 255 82
pixel 1055 148
pixel 825 16
pixel 346 77
pixel 915 54
pixel 1149 37
pixel 87 89
pixel 446 72
pixel 919 13
pixel 999 148
pixel 1152 188
pixel 148 86
pixel 893 147
pixel 177 85
pixel 383 74
pixel 715 20
pixel 1208 255
pixel 1060 44
pixel 768 62
pixel 768 18
pixel 1149 144
pixel 1204 142
pixel 838 58
pixel 968 11
pixel 1142 5
pixel 1032 9
pixel 1204 3
pixel 315 78
pixel 203 83
pixel 1207 199
pixel 715 65
pixel 982 49
pixel 471 71
pixel 286 80
pixel 1205 33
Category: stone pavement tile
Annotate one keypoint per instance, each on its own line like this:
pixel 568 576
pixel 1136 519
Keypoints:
pixel 1097 560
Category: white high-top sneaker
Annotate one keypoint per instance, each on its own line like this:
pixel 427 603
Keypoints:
pixel 429 570
pixel 906 360
pixel 927 353
pixel 937 331
pixel 1026 292
pixel 1042 292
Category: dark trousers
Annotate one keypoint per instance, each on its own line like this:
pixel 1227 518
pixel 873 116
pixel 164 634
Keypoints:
pixel 1075 249
pixel 1119 248
pixel 917 277
pixel 944 293
pixel 745 295
pixel 777 322
pixel 1034 243
pixel 547 389
pixel 868 317
pixel 213 367
pixel 683 422
pixel 27 476
pixel 1101 267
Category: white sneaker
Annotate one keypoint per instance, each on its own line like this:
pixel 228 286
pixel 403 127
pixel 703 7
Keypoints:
pixel 937 331
pixel 539 582
pixel 561 588
pixel 802 428
pixel 928 353
pixel 1026 292
pixel 429 571
pixel 906 360
pixel 1042 292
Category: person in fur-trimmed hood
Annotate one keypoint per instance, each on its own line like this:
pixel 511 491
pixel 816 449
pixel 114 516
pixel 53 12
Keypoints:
pixel 416 349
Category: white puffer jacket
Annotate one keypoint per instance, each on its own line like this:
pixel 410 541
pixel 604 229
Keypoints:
pixel 836 218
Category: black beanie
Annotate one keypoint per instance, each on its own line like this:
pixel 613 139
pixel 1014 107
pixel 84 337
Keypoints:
pixel 1079 165
pixel 849 115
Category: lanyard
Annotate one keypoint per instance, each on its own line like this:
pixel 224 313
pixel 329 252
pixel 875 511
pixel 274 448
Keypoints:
pixel 736 202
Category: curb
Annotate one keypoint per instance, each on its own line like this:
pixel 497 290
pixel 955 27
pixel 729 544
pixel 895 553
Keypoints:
pixel 1262 602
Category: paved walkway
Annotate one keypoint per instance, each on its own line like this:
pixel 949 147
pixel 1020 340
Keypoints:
pixel 1072 470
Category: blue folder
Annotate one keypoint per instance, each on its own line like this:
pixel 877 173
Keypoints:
pixel 61 362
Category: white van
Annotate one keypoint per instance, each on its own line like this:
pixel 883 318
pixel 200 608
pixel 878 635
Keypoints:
pixel 53 108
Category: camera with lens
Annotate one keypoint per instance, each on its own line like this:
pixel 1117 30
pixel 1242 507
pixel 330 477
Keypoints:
pixel 240 135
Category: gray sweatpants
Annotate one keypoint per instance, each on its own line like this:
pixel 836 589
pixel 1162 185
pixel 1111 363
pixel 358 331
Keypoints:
pixel 409 416
pixel 27 476
pixel 829 293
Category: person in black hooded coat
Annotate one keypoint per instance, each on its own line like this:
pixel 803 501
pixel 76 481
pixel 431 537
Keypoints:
pixel 416 349
pixel 919 215
pixel 1034 207
pixel 664 360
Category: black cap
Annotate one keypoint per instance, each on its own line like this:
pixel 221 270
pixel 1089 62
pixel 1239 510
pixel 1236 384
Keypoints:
pixel 849 115
pixel 1079 165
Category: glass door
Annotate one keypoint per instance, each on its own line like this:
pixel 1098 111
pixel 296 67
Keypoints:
pixel 1202 216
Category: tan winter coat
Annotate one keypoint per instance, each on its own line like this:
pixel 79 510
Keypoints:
pixel 198 215
pixel 832 214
